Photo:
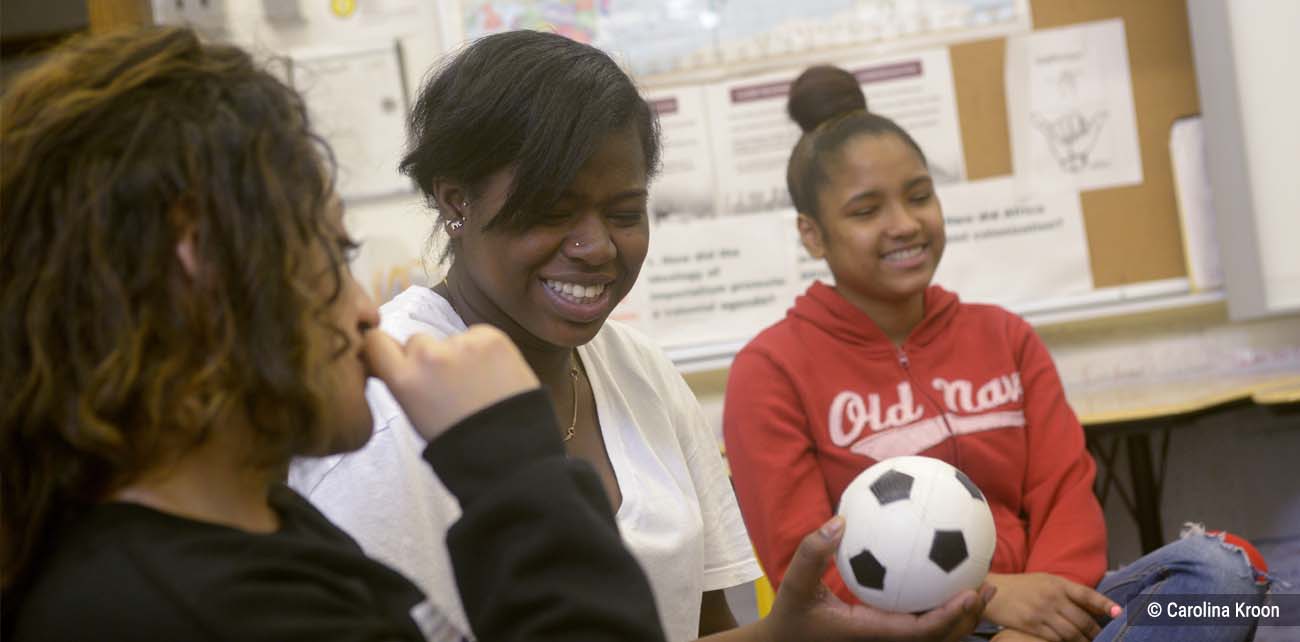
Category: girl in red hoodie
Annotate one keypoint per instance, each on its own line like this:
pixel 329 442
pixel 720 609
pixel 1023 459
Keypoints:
pixel 884 364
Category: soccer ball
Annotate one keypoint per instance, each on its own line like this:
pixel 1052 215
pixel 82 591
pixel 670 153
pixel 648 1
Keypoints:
pixel 917 532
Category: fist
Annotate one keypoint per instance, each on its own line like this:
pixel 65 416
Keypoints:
pixel 439 382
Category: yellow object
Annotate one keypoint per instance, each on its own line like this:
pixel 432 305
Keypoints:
pixel 763 596
pixel 1285 391
pixel 343 8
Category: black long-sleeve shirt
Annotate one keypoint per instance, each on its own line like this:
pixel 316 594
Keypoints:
pixel 536 553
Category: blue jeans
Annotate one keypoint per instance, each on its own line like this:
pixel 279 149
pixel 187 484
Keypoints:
pixel 1197 564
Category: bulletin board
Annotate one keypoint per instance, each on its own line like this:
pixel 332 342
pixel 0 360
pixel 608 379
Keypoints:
pixel 723 243
pixel 1133 232
pixel 745 265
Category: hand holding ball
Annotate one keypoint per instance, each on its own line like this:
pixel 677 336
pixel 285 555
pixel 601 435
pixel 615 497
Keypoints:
pixel 917 532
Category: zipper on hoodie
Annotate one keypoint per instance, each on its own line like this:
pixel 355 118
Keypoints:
pixel 943 416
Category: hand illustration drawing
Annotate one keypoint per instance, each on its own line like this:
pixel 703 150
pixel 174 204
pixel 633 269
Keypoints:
pixel 1071 137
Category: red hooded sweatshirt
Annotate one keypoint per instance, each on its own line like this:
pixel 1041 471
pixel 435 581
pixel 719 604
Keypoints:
pixel 817 398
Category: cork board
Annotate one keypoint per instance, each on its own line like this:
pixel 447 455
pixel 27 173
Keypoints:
pixel 1134 234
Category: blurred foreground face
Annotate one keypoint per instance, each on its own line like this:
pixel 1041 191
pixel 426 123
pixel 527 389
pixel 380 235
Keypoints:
pixel 346 422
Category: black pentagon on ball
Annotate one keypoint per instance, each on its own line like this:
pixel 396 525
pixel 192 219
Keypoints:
pixel 891 487
pixel 948 550
pixel 970 486
pixel 867 571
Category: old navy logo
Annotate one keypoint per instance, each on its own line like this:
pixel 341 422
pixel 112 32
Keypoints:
pixel 968 409
pixel 849 406
pixel 994 393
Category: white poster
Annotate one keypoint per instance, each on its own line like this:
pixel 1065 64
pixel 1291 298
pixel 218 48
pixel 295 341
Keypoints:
pixel 684 186
pixel 1070 106
pixel 753 136
pixel 1195 203
pixel 714 280
pixel 917 93
pixel 1011 242
pixel 752 139
pixel 357 102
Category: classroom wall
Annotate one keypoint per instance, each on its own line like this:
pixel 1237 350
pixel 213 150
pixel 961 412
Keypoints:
pixel 1266 44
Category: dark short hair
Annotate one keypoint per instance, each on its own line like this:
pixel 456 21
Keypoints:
pixel 536 102
pixel 828 104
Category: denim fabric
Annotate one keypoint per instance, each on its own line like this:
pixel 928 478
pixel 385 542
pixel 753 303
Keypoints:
pixel 1198 563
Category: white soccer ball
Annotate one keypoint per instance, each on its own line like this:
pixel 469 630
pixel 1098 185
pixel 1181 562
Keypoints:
pixel 917 532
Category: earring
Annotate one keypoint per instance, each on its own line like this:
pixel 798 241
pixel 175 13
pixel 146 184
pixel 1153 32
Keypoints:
pixel 455 226
pixel 577 244
pixel 464 204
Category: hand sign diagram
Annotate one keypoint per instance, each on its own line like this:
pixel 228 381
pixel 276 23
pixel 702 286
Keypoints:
pixel 1071 137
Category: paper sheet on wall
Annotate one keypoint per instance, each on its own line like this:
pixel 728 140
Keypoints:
pixel 753 136
pixel 1011 242
pixel 719 279
pixel 1070 106
pixel 356 100
pixel 684 186
pixel 1195 204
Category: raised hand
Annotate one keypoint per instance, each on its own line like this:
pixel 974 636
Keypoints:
pixel 438 382
pixel 806 610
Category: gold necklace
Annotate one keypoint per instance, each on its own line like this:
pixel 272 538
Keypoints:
pixel 573 423
pixel 573 377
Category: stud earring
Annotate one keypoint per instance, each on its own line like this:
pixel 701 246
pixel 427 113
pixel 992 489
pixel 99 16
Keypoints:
pixel 577 244
pixel 455 226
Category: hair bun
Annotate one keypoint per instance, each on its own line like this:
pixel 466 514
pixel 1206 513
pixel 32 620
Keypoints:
pixel 821 93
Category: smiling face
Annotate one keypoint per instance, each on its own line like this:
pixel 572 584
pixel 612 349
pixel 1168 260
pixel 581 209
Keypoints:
pixel 880 227
pixel 554 284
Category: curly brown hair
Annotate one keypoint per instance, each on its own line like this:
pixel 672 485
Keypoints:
pixel 114 358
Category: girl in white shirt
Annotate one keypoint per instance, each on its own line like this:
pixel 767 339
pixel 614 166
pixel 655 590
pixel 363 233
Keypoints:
pixel 536 152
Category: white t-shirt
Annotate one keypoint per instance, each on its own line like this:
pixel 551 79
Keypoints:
pixel 678 516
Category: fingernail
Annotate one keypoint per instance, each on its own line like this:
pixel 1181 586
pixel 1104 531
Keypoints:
pixel 833 527
pixel 1115 610
pixel 968 604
